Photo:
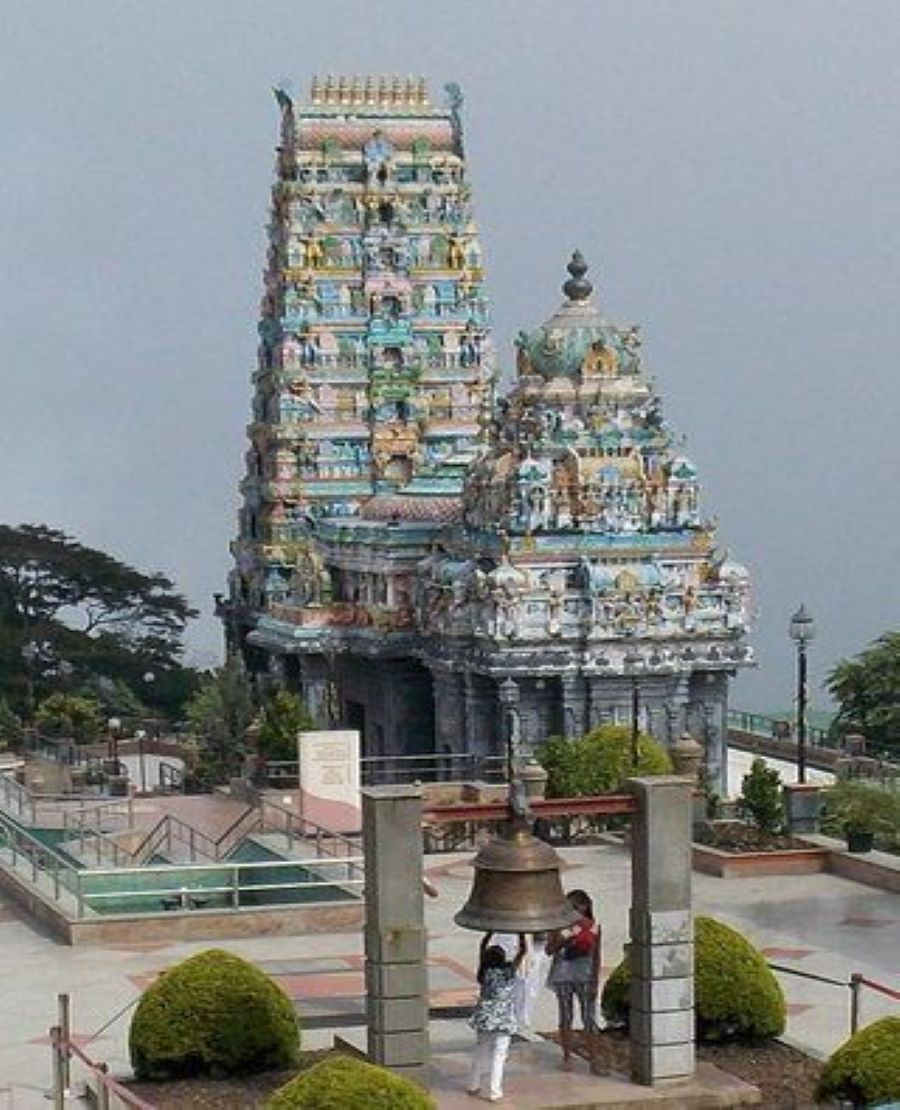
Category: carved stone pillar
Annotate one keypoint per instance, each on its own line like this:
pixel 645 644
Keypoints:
pixel 448 712
pixel 479 712
pixel 706 713
pixel 573 706
pixel 508 693
pixel 676 709
pixel 314 685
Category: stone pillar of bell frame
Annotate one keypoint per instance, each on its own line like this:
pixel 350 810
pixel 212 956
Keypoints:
pixel 395 937
pixel 662 939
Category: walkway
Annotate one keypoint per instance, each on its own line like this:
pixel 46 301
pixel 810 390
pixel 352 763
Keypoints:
pixel 816 923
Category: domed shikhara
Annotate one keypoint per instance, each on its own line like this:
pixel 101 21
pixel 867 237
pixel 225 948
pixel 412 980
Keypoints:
pixel 580 444
pixel 582 522
pixel 577 337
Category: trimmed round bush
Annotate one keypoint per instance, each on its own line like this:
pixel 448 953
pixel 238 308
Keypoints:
pixel 865 1070
pixel 213 1014
pixel 736 995
pixel 346 1083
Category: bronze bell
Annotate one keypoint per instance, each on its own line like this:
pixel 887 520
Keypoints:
pixel 517 888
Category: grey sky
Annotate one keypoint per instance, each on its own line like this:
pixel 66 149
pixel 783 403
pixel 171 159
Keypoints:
pixel 730 169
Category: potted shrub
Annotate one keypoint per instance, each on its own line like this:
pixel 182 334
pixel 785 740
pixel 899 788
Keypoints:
pixel 861 812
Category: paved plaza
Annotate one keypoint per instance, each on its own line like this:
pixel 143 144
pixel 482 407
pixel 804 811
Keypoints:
pixel 817 924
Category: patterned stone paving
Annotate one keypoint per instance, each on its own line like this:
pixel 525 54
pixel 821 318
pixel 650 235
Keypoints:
pixel 320 986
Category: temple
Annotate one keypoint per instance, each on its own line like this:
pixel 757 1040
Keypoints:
pixel 437 567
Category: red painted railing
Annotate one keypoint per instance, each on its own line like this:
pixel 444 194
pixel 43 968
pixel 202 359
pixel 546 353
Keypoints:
pixel 606 804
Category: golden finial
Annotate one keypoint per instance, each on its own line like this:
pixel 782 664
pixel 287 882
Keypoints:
pixel 343 91
pixel 357 95
pixel 315 91
pixel 329 89
pixel 397 91
pixel 382 90
pixel 423 93
pixel 370 90
pixel 410 92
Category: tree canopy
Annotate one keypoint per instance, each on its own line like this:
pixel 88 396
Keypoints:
pixel 219 715
pixel 284 717
pixel 867 690
pixel 71 613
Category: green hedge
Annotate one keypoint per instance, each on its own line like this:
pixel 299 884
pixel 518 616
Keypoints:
pixel 213 1014
pixel 598 762
pixel 346 1083
pixel 866 1069
pixel 736 995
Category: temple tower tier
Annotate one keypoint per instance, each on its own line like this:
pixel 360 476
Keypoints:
pixel 375 372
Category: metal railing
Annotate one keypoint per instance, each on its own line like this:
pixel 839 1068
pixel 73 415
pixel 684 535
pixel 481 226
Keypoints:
pixel 857 982
pixel 387 770
pixel 230 885
pixel 26 805
pixel 118 812
pixel 108 1092
pixel 773 728
pixel 34 859
pixel 275 818
pixel 171 829
pixel 432 767
pixel 16 799
pixel 854 984
pixel 198 883
pixel 102 847
pixel 245 824
pixel 171 778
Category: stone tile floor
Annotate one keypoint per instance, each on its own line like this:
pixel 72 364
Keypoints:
pixel 818 923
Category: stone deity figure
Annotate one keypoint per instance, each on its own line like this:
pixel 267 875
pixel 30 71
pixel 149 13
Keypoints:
pixel 555 610
pixel 376 156
pixel 506 610
pixel 456 255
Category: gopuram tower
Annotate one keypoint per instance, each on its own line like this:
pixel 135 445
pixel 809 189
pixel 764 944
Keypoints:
pixel 375 377
pixel 445 571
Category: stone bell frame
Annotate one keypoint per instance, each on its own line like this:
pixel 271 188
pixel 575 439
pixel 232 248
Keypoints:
pixel 661 931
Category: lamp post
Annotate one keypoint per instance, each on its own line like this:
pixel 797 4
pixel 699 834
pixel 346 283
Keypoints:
pixel 141 736
pixel 30 653
pixel 113 725
pixel 633 664
pixel 801 629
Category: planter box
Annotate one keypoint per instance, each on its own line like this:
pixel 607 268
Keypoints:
pixel 741 865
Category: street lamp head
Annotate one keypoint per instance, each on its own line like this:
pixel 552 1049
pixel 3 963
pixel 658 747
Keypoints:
pixel 148 677
pixel 802 627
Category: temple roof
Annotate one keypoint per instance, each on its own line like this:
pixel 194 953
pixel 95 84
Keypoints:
pixel 561 344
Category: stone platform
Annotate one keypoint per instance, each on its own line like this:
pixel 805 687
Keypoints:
pixel 535 1080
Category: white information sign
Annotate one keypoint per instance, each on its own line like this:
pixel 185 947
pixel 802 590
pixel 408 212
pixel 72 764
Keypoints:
pixel 329 765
